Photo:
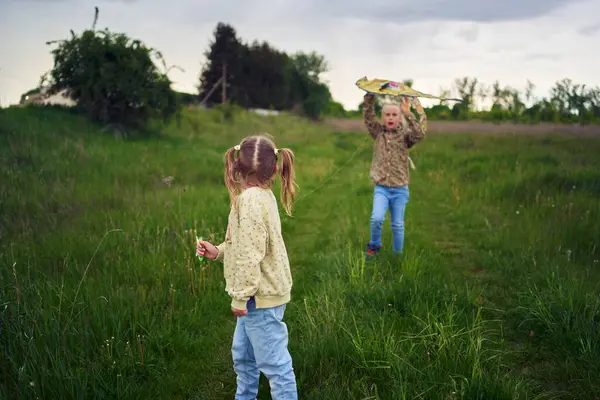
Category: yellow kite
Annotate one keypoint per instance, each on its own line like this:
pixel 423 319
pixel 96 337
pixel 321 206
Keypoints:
pixel 391 88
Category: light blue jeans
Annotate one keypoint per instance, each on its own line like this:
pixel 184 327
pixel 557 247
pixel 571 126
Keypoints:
pixel 260 344
pixel 396 199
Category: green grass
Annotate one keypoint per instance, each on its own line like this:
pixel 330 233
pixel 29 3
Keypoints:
pixel 497 296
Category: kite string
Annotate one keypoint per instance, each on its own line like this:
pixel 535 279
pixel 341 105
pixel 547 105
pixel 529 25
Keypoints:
pixel 358 149
pixel 337 170
pixel 423 123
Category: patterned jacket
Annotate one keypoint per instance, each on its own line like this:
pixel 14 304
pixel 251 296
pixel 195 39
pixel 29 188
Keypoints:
pixel 390 153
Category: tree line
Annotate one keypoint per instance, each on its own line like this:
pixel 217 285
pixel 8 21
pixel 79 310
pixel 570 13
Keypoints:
pixel 260 76
pixel 567 102
pixel 257 75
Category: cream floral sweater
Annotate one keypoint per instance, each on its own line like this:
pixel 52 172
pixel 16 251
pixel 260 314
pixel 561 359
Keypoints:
pixel 254 255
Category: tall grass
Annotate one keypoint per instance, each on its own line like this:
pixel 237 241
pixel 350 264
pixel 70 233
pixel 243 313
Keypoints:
pixel 101 295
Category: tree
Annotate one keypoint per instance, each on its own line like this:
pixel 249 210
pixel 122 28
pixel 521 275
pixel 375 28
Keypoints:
pixel 516 106
pixel 306 86
pixel 529 91
pixel 225 53
pixel 260 76
pixel 335 109
pixel 112 78
pixel 310 65
pixel 496 94
pixel 265 82
pixel 444 93
pixel 483 93
pixel 568 102
pixel 594 101
pixel 466 88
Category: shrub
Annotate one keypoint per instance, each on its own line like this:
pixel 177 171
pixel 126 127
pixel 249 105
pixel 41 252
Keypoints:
pixel 112 78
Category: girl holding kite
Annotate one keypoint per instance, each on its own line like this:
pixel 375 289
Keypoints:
pixel 389 170
pixel 399 132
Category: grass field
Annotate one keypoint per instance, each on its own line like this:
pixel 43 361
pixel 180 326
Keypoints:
pixel 497 296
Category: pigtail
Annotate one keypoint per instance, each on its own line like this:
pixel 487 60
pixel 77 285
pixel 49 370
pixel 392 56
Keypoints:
pixel 230 175
pixel 288 180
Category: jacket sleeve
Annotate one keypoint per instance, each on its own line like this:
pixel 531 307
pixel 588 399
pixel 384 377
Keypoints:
pixel 250 249
pixel 415 132
pixel 373 126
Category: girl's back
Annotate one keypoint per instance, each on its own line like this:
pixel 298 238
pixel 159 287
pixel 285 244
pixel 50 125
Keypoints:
pixel 255 239
pixel 257 270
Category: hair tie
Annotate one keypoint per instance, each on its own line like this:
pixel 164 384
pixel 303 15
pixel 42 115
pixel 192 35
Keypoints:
pixel 237 147
pixel 276 150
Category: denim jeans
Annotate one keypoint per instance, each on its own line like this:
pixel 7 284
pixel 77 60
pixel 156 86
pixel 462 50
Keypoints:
pixel 396 199
pixel 260 345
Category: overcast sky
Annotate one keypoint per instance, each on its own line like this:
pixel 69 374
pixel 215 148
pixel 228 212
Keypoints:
pixel 430 41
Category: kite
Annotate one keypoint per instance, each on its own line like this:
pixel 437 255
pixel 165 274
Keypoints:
pixel 399 89
pixel 391 88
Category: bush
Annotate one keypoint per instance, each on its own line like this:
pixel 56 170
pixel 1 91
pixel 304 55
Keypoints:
pixel 112 78
pixel 227 112
pixel 335 109
pixel 317 100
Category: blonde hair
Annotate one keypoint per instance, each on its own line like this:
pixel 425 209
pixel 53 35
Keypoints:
pixel 391 101
pixel 390 104
pixel 256 157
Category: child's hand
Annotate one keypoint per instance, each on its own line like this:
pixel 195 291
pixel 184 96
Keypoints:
pixel 239 313
pixel 206 249
pixel 405 105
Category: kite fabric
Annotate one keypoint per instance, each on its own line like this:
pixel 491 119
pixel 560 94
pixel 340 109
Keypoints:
pixel 399 89
pixel 363 84
pixel 391 88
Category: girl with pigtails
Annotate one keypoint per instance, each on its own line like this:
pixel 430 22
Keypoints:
pixel 256 265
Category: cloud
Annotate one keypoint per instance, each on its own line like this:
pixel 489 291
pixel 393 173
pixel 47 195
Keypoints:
pixel 541 56
pixel 590 30
pixel 400 12
pixel 406 11
pixel 97 2
pixel 430 41
pixel 469 34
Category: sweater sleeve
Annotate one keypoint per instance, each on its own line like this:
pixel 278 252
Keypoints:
pixel 250 249
pixel 222 248
pixel 373 126
pixel 416 130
